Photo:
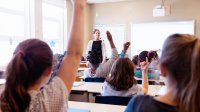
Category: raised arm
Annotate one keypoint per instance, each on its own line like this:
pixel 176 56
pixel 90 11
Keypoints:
pixel 110 39
pixel 71 61
pixel 145 82
pixel 126 46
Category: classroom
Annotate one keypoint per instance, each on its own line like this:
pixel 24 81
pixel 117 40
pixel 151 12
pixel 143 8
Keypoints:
pixel 155 41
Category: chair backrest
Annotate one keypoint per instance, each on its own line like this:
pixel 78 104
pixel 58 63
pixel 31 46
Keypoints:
pixel 115 100
pixel 94 79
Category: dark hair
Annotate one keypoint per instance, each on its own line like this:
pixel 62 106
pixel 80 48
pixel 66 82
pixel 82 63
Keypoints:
pixel 94 57
pixel 181 57
pixel 30 59
pixel 122 74
pixel 153 54
pixel 142 56
pixel 95 30
pixel 135 60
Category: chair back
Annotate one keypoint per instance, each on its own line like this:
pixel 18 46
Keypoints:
pixel 115 100
pixel 94 79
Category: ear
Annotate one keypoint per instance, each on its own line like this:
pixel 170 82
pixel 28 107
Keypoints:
pixel 48 71
pixel 163 70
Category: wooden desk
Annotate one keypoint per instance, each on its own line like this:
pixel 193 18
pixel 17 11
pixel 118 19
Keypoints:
pixel 155 80
pixel 2 81
pixel 81 69
pixel 91 88
pixel 162 91
pixel 95 107
pixel 83 64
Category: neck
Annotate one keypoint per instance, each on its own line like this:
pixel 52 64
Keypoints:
pixel 169 97
pixel 34 87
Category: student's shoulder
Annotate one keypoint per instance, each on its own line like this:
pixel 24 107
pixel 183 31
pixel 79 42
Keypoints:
pixel 141 98
pixel 137 103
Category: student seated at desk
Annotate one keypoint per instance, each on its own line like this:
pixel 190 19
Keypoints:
pixel 121 82
pixel 180 67
pixel 26 88
pixel 96 68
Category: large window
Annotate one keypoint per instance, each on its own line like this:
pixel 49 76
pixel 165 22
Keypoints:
pixel 20 20
pixel 13 26
pixel 54 25
pixel 151 36
pixel 118 33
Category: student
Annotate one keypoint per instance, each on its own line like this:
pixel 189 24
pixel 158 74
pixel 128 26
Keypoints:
pixel 180 66
pixel 96 68
pixel 121 82
pixel 154 60
pixel 30 69
pixel 152 64
pixel 135 61
pixel 97 45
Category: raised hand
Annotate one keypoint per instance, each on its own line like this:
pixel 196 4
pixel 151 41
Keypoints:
pixel 109 36
pixel 126 46
pixel 144 65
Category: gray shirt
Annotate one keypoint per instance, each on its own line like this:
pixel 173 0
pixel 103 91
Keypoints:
pixel 104 68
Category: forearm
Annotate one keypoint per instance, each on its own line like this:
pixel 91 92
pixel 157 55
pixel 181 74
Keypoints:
pixel 145 82
pixel 75 42
pixel 112 45
pixel 71 61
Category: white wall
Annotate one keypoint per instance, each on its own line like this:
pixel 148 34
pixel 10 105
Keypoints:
pixel 140 11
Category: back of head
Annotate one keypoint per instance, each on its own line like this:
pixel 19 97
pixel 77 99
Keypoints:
pixel 29 61
pixel 94 58
pixel 153 54
pixel 122 74
pixel 181 56
pixel 143 55
pixel 135 60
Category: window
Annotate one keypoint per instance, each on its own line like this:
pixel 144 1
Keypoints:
pixel 151 36
pixel 53 25
pixel 118 34
pixel 13 27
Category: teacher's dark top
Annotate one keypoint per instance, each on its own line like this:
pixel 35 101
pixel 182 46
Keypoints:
pixel 97 46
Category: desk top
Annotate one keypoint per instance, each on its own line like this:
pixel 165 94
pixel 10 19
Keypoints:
pixel 161 79
pixel 81 68
pixel 95 107
pixel 93 87
pixel 2 81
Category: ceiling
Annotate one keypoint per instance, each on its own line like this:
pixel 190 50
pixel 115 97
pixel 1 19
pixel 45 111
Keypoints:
pixel 104 1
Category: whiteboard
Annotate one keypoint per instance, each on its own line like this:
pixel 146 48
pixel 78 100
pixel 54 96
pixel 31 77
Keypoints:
pixel 118 34
pixel 151 36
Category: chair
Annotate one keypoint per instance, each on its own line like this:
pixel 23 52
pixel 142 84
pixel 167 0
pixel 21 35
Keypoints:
pixel 115 100
pixel 94 79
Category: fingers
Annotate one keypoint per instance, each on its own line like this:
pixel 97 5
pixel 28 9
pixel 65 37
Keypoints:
pixel 147 60
pixel 108 33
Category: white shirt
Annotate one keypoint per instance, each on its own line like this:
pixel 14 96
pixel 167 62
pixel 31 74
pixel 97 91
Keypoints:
pixel 109 91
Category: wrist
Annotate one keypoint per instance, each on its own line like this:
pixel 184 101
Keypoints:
pixel 79 5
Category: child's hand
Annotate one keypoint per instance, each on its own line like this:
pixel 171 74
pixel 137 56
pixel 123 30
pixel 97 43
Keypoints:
pixel 109 36
pixel 126 46
pixel 144 65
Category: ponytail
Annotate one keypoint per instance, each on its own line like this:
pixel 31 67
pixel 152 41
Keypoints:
pixel 181 56
pixel 30 59
pixel 15 97
pixel 190 97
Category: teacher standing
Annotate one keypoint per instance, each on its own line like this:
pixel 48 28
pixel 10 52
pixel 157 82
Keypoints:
pixel 97 45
